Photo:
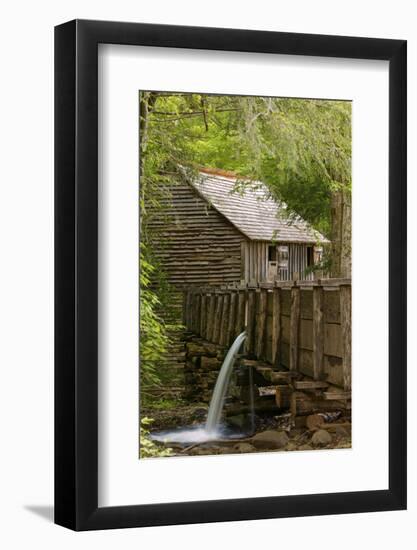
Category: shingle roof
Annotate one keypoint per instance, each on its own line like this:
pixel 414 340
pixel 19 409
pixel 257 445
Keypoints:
pixel 253 211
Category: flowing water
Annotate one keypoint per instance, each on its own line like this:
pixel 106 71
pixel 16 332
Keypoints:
pixel 222 383
pixel 212 429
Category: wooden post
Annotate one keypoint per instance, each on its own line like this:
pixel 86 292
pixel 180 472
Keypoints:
pixel 276 326
pixel 261 302
pixel 184 308
pixel 346 326
pixel 318 333
pixel 217 318
pixel 187 304
pixel 232 322
pixel 294 326
pixel 196 313
pixel 224 319
pixel 203 315
pixel 283 395
pixel 210 316
pixel 241 312
pixel 190 311
pixel 250 321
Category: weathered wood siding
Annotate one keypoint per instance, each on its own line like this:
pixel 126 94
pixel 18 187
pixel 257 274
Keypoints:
pixel 194 243
pixel 255 262
pixel 304 327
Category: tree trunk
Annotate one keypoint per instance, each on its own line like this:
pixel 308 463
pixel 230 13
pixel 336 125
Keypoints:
pixel 341 233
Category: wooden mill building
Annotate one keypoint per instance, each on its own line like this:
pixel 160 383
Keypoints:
pixel 214 231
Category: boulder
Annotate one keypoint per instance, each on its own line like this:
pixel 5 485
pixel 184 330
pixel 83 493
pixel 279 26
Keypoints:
pixel 321 438
pixel 269 439
pixel 244 448
pixel 314 421
pixel 305 448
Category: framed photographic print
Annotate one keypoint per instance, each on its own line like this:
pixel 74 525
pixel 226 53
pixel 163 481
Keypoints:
pixel 230 275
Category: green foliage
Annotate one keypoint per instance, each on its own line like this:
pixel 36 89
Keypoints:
pixel 153 334
pixel 147 448
pixel 300 148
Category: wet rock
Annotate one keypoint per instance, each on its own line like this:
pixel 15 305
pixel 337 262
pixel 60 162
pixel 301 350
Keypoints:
pixel 244 448
pixel 270 439
pixel 321 438
pixel 314 421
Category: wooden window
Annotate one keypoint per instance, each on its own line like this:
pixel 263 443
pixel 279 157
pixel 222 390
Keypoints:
pixel 272 253
pixel 310 256
pixel 283 256
pixel 318 254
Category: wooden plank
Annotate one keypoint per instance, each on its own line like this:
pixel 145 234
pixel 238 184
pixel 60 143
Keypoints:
pixel 231 325
pixel 294 327
pixel 309 384
pixel 283 394
pixel 203 314
pixel 191 312
pixel 250 321
pixel 318 333
pixel 305 334
pixel 281 377
pixel 196 313
pixel 303 404
pixel 336 395
pixel 224 319
pixel 346 322
pixel 184 308
pixel 241 312
pixel 276 326
pixel 333 339
pixel 261 302
pixel 210 317
pixel 217 318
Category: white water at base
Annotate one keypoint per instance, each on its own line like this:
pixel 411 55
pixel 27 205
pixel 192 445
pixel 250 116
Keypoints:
pixel 222 382
pixel 212 429
pixel 187 435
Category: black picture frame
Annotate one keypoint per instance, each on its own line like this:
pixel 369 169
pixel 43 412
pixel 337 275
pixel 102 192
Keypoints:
pixel 76 272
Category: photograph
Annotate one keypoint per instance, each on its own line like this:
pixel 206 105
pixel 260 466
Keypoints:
pixel 244 274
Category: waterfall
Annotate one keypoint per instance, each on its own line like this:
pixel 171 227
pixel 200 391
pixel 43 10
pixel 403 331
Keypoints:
pixel 222 382
pixel 211 430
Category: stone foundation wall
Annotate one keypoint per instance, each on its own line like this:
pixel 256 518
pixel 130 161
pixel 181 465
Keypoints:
pixel 203 361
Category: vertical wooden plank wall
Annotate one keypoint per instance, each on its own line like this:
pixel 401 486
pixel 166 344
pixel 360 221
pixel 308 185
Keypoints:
pixel 294 327
pixel 276 326
pixel 304 326
pixel 318 333
pixel 346 322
